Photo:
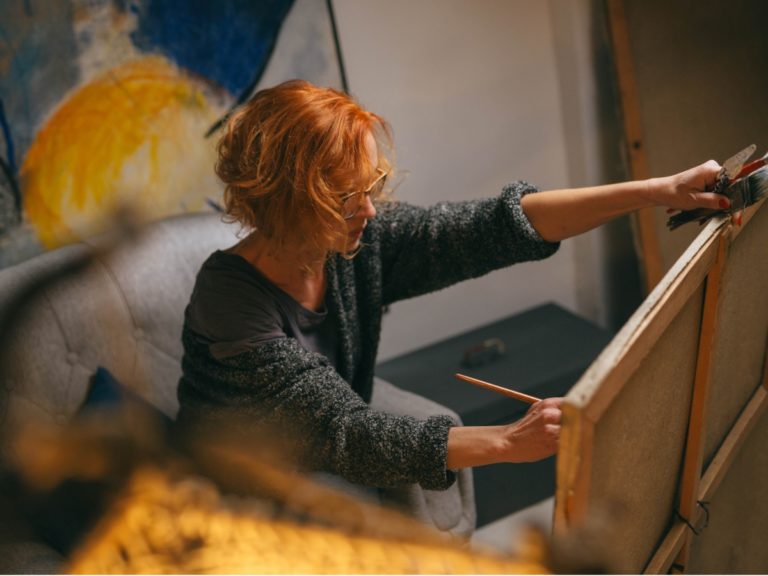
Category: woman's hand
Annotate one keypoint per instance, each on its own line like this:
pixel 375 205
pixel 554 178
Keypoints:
pixel 531 438
pixel 560 214
pixel 535 436
pixel 688 190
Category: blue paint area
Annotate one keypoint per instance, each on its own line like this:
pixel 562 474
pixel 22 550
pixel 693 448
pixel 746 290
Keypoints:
pixel 228 41
pixel 37 42
pixel 9 151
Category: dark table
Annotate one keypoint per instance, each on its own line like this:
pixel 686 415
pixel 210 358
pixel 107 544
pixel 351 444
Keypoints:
pixel 542 352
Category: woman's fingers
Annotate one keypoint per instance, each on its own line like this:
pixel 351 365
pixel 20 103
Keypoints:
pixel 711 170
pixel 535 436
pixel 711 200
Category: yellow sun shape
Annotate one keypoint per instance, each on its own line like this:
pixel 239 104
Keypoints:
pixel 134 135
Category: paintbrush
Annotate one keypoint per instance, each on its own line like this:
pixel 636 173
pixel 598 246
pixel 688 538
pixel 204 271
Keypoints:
pixel 500 389
pixel 742 183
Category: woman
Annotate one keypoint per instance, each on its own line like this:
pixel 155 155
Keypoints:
pixel 283 327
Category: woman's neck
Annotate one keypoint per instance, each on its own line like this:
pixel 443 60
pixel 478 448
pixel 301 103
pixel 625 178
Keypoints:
pixel 306 284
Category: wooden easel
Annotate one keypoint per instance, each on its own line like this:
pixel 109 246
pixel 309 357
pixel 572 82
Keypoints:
pixel 644 220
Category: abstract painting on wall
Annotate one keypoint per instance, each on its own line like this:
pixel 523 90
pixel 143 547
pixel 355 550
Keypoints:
pixel 106 103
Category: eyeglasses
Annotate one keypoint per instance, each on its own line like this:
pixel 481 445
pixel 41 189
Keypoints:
pixel 351 203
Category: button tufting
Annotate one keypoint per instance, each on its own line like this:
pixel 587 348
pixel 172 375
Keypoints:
pixel 60 419
pixel 72 358
pixel 138 333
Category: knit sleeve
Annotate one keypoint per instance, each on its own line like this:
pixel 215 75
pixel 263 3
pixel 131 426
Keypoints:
pixel 425 249
pixel 283 387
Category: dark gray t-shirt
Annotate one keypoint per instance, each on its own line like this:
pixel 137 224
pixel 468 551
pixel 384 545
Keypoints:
pixel 235 307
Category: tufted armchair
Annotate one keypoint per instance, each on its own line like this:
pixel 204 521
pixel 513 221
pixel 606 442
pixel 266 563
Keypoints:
pixel 125 313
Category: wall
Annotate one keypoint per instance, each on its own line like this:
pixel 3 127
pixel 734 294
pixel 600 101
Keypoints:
pixel 607 277
pixel 305 47
pixel 480 94
pixel 700 67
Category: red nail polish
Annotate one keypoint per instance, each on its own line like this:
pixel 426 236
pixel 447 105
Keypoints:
pixel 724 203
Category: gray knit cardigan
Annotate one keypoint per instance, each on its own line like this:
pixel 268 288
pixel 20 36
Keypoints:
pixel 408 251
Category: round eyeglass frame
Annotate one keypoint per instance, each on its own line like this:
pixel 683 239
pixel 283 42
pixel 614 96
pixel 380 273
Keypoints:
pixel 351 203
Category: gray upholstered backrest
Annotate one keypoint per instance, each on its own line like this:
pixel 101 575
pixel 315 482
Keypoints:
pixel 125 314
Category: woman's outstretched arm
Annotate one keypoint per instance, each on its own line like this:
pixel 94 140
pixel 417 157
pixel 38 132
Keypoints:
pixel 560 214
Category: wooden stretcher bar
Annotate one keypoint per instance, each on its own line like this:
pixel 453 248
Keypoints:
pixel 689 486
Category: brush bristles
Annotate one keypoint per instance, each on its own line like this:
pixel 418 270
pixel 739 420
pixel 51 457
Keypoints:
pixel 757 183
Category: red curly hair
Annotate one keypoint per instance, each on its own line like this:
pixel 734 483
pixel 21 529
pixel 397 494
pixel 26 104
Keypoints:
pixel 289 155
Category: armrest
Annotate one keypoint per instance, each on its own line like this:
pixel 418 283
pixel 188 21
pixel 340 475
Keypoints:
pixel 389 398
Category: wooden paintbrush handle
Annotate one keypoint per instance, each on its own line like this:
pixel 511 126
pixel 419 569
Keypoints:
pixel 500 389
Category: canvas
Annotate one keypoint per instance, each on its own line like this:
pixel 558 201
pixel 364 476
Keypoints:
pixel 661 434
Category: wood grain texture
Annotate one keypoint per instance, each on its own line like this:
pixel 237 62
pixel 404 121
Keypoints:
pixel 668 550
pixel 574 466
